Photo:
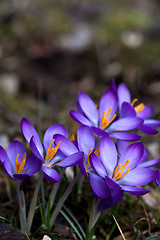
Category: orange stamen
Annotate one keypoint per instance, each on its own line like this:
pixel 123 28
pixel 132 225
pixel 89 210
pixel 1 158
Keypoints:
pixel 97 152
pixel 118 173
pixel 72 137
pixel 139 107
pixel 52 151
pixel 105 116
pixel 20 165
pixel 88 156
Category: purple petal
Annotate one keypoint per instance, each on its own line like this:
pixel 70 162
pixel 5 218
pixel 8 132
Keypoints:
pixel 125 124
pixel 35 150
pixel 121 145
pixel 21 176
pixel 109 99
pixel 144 156
pixel 99 186
pixel 108 154
pixel 88 107
pixel 147 129
pixel 32 165
pixel 149 163
pixel 8 169
pixel 51 174
pixel 127 110
pixel 112 85
pixel 100 132
pixel 3 155
pixel 71 160
pixel 82 169
pixel 125 136
pixel 123 94
pixel 157 178
pixel 133 153
pixel 13 150
pixel 78 117
pixel 51 131
pixel 66 146
pixel 97 165
pixel 146 112
pixel 135 190
pixel 137 177
pixel 86 139
pixel 28 131
pixel 152 122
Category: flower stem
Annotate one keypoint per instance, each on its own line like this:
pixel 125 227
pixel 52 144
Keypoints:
pixel 33 205
pixel 22 206
pixel 62 199
pixel 54 192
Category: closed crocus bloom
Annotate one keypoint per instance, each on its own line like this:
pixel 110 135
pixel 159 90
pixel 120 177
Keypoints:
pixel 129 108
pixel 49 152
pixel 129 170
pixel 15 162
pixel 103 119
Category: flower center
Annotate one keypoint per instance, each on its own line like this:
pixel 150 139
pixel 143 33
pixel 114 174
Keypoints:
pixel 51 151
pixel 139 107
pixel 20 165
pixel 104 121
pixel 119 173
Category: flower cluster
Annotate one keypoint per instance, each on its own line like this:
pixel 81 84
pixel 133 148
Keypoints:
pixel 102 148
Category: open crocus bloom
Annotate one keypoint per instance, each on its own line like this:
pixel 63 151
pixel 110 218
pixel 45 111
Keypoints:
pixel 104 120
pixel 49 152
pixel 128 108
pixel 85 143
pixel 128 171
pixel 16 164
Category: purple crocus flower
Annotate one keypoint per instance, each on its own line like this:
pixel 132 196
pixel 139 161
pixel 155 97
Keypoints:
pixel 49 152
pixel 85 143
pixel 104 120
pixel 16 164
pixel 129 171
pixel 128 109
pixel 157 178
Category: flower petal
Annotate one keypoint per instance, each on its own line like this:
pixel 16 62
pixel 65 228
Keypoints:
pixel 149 163
pixel 123 94
pixel 152 122
pixel 97 165
pixel 133 153
pixel 86 139
pixel 100 132
pixel 35 150
pixel 137 177
pixel 144 156
pixel 71 160
pixel 125 136
pixel 99 186
pixel 51 174
pixel 127 110
pixel 125 124
pixel 78 117
pixel 121 145
pixel 66 146
pixel 108 154
pixel 51 131
pixel 146 112
pixel 135 190
pixel 32 165
pixel 109 99
pixel 147 129
pixel 88 107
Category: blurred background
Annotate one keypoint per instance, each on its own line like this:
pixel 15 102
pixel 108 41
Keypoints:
pixel 50 50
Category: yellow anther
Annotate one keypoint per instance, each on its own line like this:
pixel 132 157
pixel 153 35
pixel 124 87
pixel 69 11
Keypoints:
pixel 20 165
pixel 133 102
pixel 97 152
pixel 72 137
pixel 52 151
pixel 119 173
pixel 88 156
pixel 105 116
pixel 139 108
